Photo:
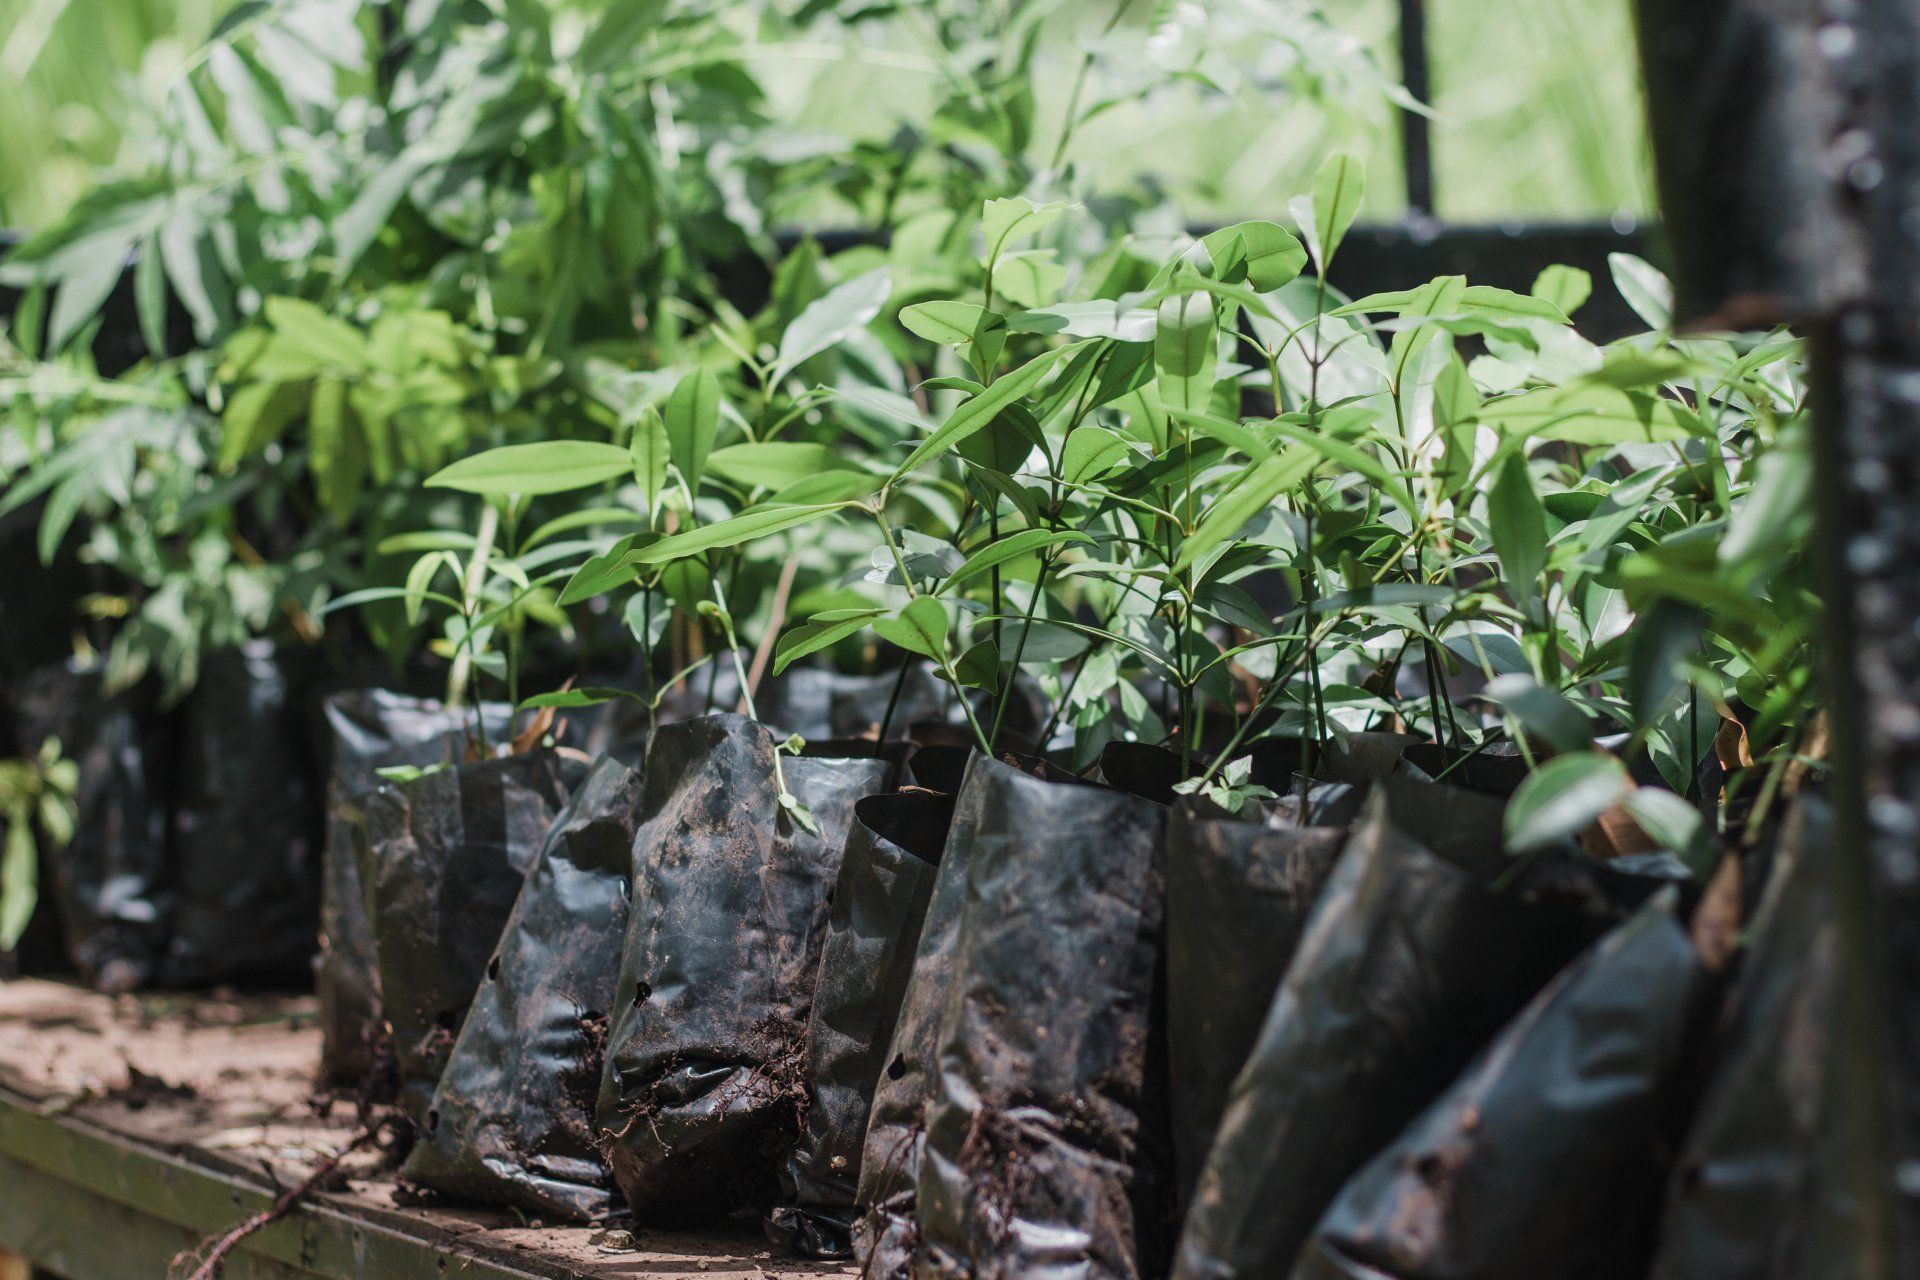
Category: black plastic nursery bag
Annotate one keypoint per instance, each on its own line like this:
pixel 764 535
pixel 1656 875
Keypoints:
pixel 1046 1146
pixel 367 730
pixel 1545 1158
pixel 1407 966
pixel 704 1085
pixel 1239 893
pixel 109 883
pixel 512 1119
pixel 879 904
pixel 443 861
pixel 246 825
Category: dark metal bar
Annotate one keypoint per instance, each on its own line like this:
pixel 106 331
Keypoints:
pixel 1416 135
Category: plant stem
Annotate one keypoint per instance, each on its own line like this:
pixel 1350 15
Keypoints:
pixel 470 590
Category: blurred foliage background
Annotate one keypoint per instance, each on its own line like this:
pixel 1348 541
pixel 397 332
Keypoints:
pixel 1529 98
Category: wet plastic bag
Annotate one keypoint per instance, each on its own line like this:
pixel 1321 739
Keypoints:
pixel 705 1076
pixel 367 730
pixel 1407 966
pixel 879 904
pixel 1238 897
pixel 1046 1144
pixel 512 1118
pixel 110 883
pixel 246 826
pixel 1547 1156
pixel 442 861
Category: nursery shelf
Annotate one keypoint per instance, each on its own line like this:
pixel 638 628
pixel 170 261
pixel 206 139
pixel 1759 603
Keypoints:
pixel 134 1128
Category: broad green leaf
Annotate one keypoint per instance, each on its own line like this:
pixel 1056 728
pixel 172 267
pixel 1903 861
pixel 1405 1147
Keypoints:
pixel 920 627
pixel 1590 413
pixel 589 696
pixel 551 466
pixel 1672 823
pixel 985 407
pixel 590 518
pixel 693 420
pixel 773 464
pixel 1255 492
pixel 1565 287
pixel 1456 409
pixel 951 323
pixel 649 448
pixel 1562 798
pixel 421 576
pixel 19 880
pixel 1338 188
pixel 822 631
pixel 1544 713
pixel 1269 254
pixel 330 343
pixel 830 319
pixel 1645 289
pixel 1004 221
pixel 1096 319
pixel 1235 435
pixel 1519 526
pixel 256 414
pixel 1185 352
pixel 1090 452
pixel 1481 299
pixel 610 569
pixel 756 522
pixel 1011 547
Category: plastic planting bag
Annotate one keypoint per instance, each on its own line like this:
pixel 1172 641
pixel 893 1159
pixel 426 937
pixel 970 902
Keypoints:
pixel 110 882
pixel 1238 897
pixel 512 1119
pixel 367 730
pixel 705 1079
pixel 442 863
pixel 888 1232
pixel 246 826
pixel 1547 1157
pixel 1409 963
pixel 1752 1194
pixel 879 903
pixel 1046 1142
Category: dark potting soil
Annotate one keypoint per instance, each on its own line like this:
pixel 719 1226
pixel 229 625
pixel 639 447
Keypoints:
pixel 442 861
pixel 110 884
pixel 1548 1155
pixel 1408 964
pixel 246 842
pixel 1761 1186
pixel 704 1087
pixel 1046 1145
pixel 367 730
pixel 512 1120
pixel 1238 897
pixel 879 904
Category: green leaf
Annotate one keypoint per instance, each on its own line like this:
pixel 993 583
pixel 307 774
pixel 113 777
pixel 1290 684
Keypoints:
pixel 985 407
pixel 421 576
pixel 1184 351
pixel 1269 254
pixel 1015 218
pixel 1544 713
pixel 773 464
pixel 1011 547
pixel 1096 319
pixel 920 627
pixel 1671 823
pixel 1561 798
pixel 1519 526
pixel 591 696
pixel 1504 304
pixel 830 319
pixel 1338 189
pixel 693 420
pixel 951 323
pixel 822 631
pixel 610 569
pixel 1591 413
pixel 1090 452
pixel 649 449
pixel 1565 287
pixel 19 881
pixel 306 330
pixel 757 522
pixel 1254 493
pixel 1645 289
pixel 551 466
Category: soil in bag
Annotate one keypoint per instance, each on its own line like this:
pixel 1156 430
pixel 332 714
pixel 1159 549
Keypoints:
pixel 888 1232
pixel 704 1086
pixel 1408 964
pixel 246 825
pixel 512 1118
pixel 1751 1194
pixel 879 903
pixel 367 730
pixel 1238 896
pixel 1545 1158
pixel 110 883
pixel 1046 1146
pixel 442 861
